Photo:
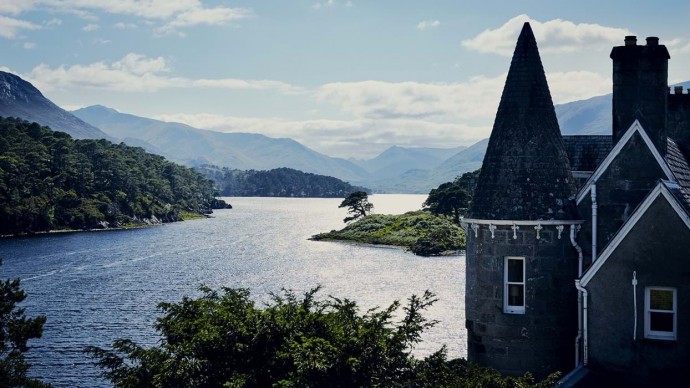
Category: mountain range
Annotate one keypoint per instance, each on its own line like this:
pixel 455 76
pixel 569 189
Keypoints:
pixel 397 169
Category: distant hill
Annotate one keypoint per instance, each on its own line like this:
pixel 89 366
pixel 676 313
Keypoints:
pixel 279 182
pixel 585 117
pixel 19 98
pixel 398 160
pixel 192 146
pixel 421 181
pixel 591 116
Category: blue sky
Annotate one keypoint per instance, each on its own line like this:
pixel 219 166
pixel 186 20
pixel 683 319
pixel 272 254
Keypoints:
pixel 346 78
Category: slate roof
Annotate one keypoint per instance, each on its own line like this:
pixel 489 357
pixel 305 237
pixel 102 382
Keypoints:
pixel 586 152
pixel 680 168
pixel 525 174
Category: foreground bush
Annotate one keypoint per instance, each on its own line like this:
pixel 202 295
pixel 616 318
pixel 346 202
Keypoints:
pixel 223 339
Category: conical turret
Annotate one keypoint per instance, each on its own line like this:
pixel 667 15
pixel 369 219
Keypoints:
pixel 526 174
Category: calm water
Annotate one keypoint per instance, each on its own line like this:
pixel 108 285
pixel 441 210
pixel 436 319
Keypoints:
pixel 98 286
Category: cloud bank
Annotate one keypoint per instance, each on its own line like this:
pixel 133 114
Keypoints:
pixel 555 35
pixel 169 15
pixel 136 73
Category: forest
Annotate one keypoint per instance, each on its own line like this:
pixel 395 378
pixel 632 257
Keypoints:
pixel 49 181
pixel 279 182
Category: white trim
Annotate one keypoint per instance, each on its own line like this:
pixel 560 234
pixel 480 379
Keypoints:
pixel 635 127
pixel 507 308
pixel 520 222
pixel 659 190
pixel 660 335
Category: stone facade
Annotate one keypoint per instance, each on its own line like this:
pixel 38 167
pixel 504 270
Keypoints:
pixel 541 339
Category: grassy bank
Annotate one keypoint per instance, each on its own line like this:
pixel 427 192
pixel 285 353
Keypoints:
pixel 423 233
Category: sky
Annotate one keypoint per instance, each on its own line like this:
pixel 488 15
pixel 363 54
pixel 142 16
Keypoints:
pixel 345 78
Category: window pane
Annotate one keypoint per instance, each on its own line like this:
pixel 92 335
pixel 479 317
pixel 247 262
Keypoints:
pixel 516 295
pixel 661 321
pixel 661 300
pixel 515 270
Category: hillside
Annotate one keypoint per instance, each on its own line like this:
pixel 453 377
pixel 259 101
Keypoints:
pixel 20 99
pixel 48 181
pixel 279 182
pixel 192 146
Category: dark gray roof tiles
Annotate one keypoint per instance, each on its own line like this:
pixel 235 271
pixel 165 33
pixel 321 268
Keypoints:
pixel 525 174
pixel 680 168
pixel 586 152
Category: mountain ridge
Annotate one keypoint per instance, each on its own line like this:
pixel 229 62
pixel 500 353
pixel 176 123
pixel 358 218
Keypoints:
pixel 19 98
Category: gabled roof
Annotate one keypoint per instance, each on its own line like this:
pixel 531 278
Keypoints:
pixel 676 197
pixel 636 127
pixel 525 174
pixel 586 152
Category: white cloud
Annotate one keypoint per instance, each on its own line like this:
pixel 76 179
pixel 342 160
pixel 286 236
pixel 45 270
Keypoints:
pixel 168 14
pixel 101 41
pixel 474 101
pixel 678 46
pixel 124 26
pixel 10 27
pixel 555 35
pixel 577 85
pixel 16 7
pixel 328 3
pixel 53 22
pixel 90 27
pixel 207 16
pixel 363 137
pixel 29 45
pixel 426 24
pixel 136 73
pixel 477 98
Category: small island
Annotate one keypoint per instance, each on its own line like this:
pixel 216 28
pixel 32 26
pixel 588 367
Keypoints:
pixel 421 232
pixel 433 231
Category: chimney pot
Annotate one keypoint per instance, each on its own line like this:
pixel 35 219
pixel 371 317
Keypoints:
pixel 652 41
pixel 678 89
pixel 631 40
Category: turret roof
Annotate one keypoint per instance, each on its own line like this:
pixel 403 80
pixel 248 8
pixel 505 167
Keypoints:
pixel 526 174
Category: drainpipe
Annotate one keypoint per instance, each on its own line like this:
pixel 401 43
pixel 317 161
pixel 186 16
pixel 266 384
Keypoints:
pixel 579 296
pixel 584 320
pixel 634 284
pixel 593 191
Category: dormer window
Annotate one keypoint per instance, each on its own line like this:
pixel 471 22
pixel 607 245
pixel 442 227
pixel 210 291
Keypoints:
pixel 514 285
pixel 660 313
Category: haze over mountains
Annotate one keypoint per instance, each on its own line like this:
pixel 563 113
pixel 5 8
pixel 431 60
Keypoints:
pixel 397 169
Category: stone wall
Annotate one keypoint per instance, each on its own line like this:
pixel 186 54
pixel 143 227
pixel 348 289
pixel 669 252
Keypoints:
pixel 541 340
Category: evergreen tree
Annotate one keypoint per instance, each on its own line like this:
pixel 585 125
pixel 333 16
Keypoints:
pixel 15 332
pixel 357 205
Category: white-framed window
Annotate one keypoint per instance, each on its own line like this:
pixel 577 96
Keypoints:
pixel 514 285
pixel 660 313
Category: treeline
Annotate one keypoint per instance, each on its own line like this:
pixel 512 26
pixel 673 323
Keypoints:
pixel 49 181
pixel 279 182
